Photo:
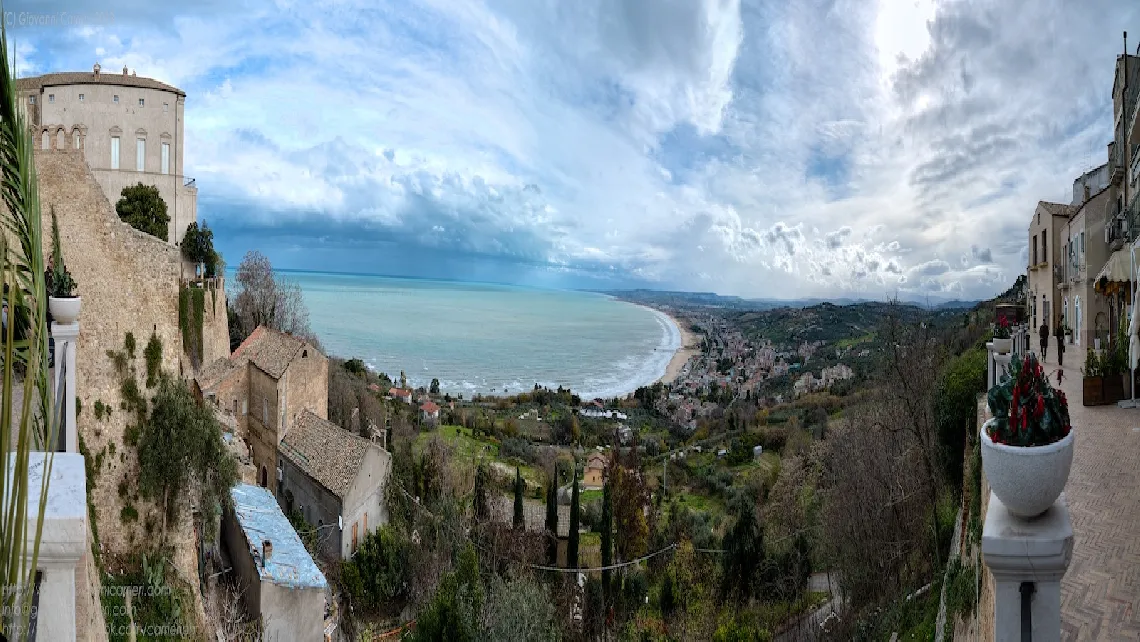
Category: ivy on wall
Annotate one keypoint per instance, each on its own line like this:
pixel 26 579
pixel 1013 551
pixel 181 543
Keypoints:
pixel 191 315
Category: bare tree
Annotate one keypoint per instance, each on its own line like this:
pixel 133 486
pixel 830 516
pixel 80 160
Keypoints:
pixel 267 299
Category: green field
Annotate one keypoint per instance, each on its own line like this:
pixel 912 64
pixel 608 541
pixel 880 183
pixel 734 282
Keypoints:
pixel 468 448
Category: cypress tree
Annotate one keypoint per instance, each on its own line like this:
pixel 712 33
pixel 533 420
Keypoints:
pixel 607 540
pixel 552 520
pixel 481 493
pixel 520 520
pixel 572 545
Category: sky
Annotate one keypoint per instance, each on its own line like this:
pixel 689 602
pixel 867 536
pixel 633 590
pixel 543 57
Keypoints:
pixel 815 148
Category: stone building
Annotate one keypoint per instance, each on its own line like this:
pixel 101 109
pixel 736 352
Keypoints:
pixel 129 130
pixel 280 583
pixel 1084 252
pixel 266 384
pixel 334 478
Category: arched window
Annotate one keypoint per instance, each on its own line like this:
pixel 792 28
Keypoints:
pixel 264 477
pixel 60 141
pixel 77 139
pixel 45 140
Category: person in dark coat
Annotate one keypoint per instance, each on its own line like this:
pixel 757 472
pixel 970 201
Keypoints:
pixel 1044 332
pixel 1061 344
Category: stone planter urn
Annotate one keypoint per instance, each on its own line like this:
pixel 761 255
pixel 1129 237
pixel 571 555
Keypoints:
pixel 1027 479
pixel 1003 346
pixel 64 310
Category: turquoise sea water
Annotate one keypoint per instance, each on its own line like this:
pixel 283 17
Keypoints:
pixel 484 338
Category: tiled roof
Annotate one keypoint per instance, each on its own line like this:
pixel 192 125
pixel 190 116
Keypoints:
pixel 270 350
pixel 89 78
pixel 399 392
pixel 214 373
pixel 261 519
pixel 1056 209
pixel 429 406
pixel 326 452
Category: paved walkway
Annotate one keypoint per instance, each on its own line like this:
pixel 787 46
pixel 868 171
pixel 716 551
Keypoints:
pixel 1100 595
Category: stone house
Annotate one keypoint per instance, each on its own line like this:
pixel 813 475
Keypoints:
pixel 594 474
pixel 333 477
pixel 1084 252
pixel 279 581
pixel 266 384
pixel 401 394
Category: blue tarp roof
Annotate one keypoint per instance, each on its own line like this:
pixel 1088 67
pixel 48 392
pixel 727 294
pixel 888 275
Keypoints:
pixel 261 519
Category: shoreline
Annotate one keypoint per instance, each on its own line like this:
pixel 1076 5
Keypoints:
pixel 690 347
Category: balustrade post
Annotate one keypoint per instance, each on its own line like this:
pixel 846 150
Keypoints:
pixel 1028 558
pixel 66 337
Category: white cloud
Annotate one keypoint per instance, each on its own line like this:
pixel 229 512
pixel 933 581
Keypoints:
pixel 756 148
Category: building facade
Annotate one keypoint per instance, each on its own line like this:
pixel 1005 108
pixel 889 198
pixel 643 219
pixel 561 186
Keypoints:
pixel 1045 228
pixel 130 130
pixel 280 583
pixel 334 477
pixel 1084 252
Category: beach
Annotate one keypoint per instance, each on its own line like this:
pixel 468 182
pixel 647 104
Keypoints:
pixel 690 347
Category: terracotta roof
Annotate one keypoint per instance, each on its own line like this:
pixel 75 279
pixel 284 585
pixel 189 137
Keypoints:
pixel 270 350
pixel 89 78
pixel 1057 209
pixel 399 392
pixel 429 406
pixel 596 460
pixel 326 452
pixel 213 374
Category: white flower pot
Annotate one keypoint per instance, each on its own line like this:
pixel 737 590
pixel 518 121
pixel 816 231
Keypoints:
pixel 1003 346
pixel 1027 479
pixel 64 311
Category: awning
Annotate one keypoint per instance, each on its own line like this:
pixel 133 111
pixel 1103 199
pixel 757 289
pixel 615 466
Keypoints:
pixel 1115 271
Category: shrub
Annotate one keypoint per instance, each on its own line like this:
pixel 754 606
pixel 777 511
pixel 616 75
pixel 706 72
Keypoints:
pixel 153 355
pixel 129 344
pixel 956 408
pixel 961 588
pixel 119 359
pixel 128 514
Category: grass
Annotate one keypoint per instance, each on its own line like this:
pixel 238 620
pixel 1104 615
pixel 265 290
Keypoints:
pixel 589 496
pixel 853 341
pixel 469 448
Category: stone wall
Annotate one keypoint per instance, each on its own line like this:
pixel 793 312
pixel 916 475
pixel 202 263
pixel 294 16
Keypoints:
pixel 307 385
pixel 262 423
pixel 215 323
pixel 128 281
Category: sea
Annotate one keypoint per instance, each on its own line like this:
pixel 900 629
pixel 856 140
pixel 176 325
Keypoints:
pixel 489 338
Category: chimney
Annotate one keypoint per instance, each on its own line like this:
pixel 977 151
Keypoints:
pixel 96 69
pixel 266 551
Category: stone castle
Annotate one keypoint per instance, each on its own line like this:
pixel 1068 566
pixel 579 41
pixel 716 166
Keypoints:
pixel 129 281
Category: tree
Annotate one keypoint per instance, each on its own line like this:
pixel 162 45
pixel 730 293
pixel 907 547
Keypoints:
pixel 520 519
pixel 552 518
pixel 607 539
pixel 182 443
pixel 520 609
pixel 456 609
pixel 142 208
pixel 198 248
pixel 743 552
pixel 434 388
pixel 572 545
pixel 266 299
pixel 482 504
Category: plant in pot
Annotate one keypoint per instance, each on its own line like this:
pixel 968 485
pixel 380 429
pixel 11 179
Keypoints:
pixel 1093 382
pixel 1003 342
pixel 62 301
pixel 1027 448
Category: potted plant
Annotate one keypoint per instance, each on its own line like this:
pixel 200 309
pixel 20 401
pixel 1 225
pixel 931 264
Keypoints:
pixel 63 303
pixel 1003 342
pixel 1093 382
pixel 1027 448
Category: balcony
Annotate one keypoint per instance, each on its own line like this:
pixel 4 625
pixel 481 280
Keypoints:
pixel 1115 163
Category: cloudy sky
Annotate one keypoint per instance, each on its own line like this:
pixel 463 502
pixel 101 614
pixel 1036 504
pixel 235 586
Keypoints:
pixel 760 148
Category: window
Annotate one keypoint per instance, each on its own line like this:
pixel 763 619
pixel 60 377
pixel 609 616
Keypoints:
pixel 76 137
pixel 165 107
pixel 166 158
pixel 1044 245
pixel 114 152
pixel 140 154
pixel 265 411
pixel 235 407
pixel 116 99
pixel 142 102
pixel 366 523
pixel 51 98
pixel 354 538
pixel 1082 242
pixel 80 97
pixel 31 100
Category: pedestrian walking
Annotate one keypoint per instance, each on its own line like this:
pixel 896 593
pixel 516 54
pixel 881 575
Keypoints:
pixel 1044 333
pixel 1061 344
